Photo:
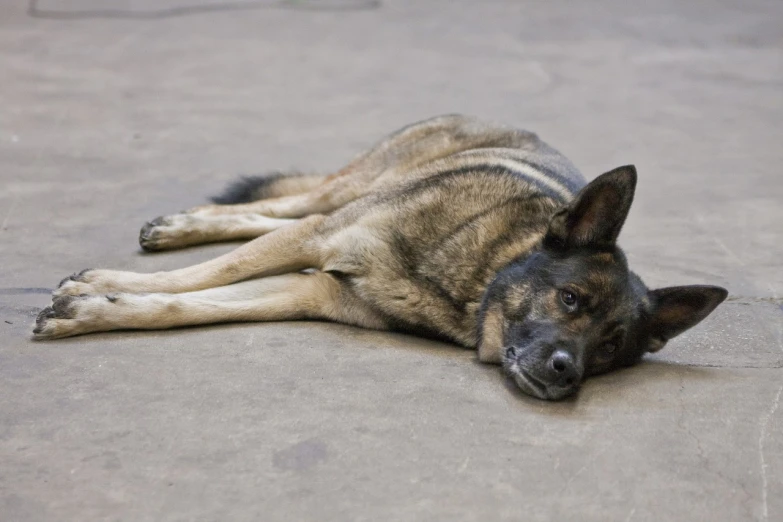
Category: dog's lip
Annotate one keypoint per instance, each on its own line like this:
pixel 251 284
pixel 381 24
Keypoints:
pixel 526 381
pixel 535 380
pixel 545 391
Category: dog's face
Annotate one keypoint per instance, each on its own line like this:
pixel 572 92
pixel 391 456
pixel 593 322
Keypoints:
pixel 573 309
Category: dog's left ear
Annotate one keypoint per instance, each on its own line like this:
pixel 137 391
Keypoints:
pixel 678 308
pixel 596 215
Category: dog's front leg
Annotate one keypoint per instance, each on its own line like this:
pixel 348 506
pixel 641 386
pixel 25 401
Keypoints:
pixel 315 295
pixel 288 249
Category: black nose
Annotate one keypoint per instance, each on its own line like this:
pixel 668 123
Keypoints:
pixel 564 367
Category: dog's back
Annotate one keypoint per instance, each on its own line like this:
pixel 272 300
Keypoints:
pixel 409 153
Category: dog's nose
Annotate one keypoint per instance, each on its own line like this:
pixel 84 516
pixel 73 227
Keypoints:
pixel 564 367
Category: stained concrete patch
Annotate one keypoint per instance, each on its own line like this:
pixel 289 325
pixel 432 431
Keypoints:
pixel 300 456
pixel 162 9
pixel 16 507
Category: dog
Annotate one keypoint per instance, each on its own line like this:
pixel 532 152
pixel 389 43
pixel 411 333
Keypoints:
pixel 450 228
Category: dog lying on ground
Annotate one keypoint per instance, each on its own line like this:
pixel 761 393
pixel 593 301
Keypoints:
pixel 449 228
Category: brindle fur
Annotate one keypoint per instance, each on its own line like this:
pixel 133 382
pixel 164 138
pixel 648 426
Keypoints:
pixel 452 227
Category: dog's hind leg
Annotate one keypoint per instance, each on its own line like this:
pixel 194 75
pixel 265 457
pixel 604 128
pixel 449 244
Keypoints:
pixel 288 249
pixel 211 223
pixel 316 295
pixel 181 230
pixel 323 199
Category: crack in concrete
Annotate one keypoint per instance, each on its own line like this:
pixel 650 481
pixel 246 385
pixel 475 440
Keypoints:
pixel 706 464
pixel 764 430
pixel 13 290
pixel 775 366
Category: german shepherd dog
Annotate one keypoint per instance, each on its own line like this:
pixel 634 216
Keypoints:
pixel 450 228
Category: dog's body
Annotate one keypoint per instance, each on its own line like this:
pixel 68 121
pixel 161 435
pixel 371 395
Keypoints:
pixel 453 228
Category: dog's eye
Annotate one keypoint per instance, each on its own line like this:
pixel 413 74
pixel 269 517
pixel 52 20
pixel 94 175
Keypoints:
pixel 606 353
pixel 569 298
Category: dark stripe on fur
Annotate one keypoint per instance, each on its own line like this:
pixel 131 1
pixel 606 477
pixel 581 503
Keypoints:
pixel 471 221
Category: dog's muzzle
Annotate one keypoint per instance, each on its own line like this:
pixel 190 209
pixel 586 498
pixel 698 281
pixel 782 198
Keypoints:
pixel 557 378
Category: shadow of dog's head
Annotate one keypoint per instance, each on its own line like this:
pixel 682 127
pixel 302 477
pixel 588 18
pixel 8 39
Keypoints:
pixel 572 308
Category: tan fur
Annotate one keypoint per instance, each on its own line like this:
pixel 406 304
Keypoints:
pixel 490 349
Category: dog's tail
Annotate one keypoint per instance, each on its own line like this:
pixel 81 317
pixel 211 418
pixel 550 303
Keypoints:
pixel 272 185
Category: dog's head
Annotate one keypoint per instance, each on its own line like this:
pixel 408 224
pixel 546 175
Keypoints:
pixel 572 308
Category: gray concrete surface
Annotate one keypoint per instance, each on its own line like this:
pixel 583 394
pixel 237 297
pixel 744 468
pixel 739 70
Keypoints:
pixel 108 122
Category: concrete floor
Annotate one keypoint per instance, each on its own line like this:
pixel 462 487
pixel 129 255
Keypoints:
pixel 107 122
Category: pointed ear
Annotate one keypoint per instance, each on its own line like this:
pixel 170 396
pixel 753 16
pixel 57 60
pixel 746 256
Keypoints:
pixel 677 308
pixel 596 215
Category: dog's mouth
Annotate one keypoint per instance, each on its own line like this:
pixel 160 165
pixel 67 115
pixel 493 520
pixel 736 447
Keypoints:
pixel 531 384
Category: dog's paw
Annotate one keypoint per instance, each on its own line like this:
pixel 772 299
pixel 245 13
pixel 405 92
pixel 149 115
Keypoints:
pixel 64 318
pixel 165 232
pixel 151 234
pixel 44 324
pixel 95 282
pixel 76 284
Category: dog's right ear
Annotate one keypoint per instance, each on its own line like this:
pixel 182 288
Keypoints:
pixel 678 308
pixel 596 215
